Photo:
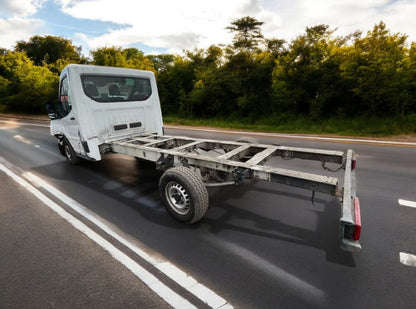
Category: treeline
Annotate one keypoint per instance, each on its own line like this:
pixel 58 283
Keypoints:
pixel 316 75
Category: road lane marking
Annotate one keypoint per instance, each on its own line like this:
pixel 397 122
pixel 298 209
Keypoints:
pixel 149 279
pixel 23 140
pixel 407 203
pixel 206 295
pixel 408 259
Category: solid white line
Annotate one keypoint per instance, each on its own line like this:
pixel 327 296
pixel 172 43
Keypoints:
pixel 294 136
pixel 180 277
pixel 407 203
pixel 150 280
pixel 407 259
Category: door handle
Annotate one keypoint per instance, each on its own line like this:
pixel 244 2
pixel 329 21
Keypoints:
pixel 72 118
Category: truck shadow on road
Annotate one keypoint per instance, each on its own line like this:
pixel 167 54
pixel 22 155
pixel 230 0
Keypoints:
pixel 235 209
pixel 321 218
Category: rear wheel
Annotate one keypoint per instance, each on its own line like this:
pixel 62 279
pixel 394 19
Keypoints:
pixel 184 194
pixel 69 153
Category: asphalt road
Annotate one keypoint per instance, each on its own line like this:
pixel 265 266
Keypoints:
pixel 261 245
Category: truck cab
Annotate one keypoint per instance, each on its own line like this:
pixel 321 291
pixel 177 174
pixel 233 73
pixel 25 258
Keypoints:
pixel 97 105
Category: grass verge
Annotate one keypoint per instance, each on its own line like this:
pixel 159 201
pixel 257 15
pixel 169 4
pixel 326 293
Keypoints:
pixel 360 126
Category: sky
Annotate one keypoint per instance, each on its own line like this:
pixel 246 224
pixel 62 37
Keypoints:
pixel 171 26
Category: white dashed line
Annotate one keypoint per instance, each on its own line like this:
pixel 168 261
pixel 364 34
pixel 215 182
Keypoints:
pixel 408 259
pixel 407 203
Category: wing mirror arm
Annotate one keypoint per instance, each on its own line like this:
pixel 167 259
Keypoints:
pixel 52 114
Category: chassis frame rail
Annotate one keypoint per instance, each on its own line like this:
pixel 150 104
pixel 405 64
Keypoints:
pixel 237 161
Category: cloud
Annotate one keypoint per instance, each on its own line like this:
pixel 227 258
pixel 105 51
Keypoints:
pixel 173 26
pixel 20 7
pixel 346 15
pixel 400 17
pixel 186 24
pixel 15 29
pixel 176 25
pixel 17 26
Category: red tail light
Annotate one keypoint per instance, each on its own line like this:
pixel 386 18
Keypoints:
pixel 357 229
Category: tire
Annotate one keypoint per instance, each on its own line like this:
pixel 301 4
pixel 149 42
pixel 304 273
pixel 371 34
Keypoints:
pixel 184 194
pixel 70 154
pixel 61 147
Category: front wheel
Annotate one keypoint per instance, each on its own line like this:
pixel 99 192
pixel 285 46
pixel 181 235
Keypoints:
pixel 69 153
pixel 184 194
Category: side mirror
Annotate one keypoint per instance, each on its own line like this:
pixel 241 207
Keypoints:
pixel 51 111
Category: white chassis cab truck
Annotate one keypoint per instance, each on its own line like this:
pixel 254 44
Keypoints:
pixel 115 110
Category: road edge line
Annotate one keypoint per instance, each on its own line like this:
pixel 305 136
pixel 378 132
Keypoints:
pixel 168 295
pixel 186 281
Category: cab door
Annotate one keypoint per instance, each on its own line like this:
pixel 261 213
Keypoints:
pixel 70 123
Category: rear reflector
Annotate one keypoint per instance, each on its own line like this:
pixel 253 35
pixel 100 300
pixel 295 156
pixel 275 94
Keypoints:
pixel 357 211
pixel 353 164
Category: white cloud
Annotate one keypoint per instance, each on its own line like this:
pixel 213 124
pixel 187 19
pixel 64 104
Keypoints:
pixel 20 7
pixel 176 25
pixel 185 24
pixel 401 17
pixel 346 15
pixel 15 29
pixel 17 26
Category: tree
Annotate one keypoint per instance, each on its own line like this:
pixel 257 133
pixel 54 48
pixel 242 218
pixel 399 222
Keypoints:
pixel 377 69
pixel 174 86
pixel 108 56
pixel 185 86
pixel 49 49
pixel 162 62
pixel 215 87
pixel 118 57
pixel 247 33
pixel 308 74
pixel 411 79
pixel 25 87
pixel 276 47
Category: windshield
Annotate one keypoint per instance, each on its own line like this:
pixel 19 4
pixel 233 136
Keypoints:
pixel 102 88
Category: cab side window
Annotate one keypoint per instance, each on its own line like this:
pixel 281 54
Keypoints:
pixel 64 105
